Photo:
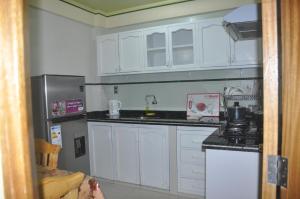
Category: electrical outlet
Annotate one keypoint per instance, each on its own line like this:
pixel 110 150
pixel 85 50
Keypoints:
pixel 116 91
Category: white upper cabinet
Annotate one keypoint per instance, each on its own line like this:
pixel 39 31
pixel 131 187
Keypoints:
pixel 156 49
pixel 182 45
pixel 246 52
pixel 107 54
pixel 131 51
pixel 127 153
pixel 154 156
pixel 214 44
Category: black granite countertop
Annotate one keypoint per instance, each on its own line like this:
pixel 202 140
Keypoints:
pixel 177 118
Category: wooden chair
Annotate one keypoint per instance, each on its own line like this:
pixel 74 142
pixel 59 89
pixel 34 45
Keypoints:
pixel 59 186
pixel 63 187
pixel 46 153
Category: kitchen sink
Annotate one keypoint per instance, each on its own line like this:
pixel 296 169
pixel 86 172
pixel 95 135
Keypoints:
pixel 138 118
pixel 147 117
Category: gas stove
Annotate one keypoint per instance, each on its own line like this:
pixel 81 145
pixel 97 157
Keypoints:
pixel 241 135
pixel 242 132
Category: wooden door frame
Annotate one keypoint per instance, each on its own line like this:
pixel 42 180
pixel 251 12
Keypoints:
pixel 16 137
pixel 271 91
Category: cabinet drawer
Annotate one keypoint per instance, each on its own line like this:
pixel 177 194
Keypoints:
pixel 192 156
pixel 191 140
pixel 192 171
pixel 191 186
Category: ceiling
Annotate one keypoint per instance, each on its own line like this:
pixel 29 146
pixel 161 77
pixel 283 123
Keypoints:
pixel 115 7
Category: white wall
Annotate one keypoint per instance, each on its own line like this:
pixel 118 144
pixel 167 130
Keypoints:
pixel 172 96
pixel 62 46
pixel 58 45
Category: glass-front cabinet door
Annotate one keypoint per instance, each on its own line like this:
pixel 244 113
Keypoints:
pixel 182 45
pixel 156 51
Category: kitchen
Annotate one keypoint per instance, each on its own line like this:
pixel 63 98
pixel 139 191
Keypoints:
pixel 132 96
pixel 234 78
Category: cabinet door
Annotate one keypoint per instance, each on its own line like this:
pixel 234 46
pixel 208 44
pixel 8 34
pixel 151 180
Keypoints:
pixel 107 54
pixel 101 150
pixel 214 44
pixel 131 51
pixel 182 45
pixel 126 154
pixel 246 52
pixel 154 156
pixel 156 49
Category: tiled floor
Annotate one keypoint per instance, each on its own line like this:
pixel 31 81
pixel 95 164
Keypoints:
pixel 124 191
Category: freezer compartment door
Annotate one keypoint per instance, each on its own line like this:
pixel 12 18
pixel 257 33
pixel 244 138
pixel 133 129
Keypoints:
pixel 65 95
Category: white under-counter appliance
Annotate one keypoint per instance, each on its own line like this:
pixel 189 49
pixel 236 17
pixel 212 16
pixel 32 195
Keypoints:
pixel 232 174
pixel 233 158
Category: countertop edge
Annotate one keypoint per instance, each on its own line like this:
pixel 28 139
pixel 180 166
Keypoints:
pixel 151 122
pixel 231 148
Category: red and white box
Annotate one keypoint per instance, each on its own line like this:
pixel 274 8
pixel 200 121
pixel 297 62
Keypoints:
pixel 202 104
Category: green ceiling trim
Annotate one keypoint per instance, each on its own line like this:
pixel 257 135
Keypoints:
pixel 124 11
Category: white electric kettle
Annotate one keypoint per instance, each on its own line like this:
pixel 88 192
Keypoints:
pixel 114 107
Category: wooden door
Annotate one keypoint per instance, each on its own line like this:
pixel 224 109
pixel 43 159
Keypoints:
pixel 17 175
pixel 290 42
pixel 101 150
pixel 281 92
pixel 127 153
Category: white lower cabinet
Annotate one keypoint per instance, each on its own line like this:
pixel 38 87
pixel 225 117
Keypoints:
pixel 101 150
pixel 154 156
pixel 137 154
pixel 126 153
pixel 191 159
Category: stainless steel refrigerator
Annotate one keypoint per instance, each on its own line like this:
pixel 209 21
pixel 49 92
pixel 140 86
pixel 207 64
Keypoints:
pixel 59 116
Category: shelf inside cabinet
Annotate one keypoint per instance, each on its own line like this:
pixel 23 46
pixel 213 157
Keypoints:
pixel 156 49
pixel 183 46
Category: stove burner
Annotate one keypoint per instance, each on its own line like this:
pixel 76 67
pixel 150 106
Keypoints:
pixel 239 124
pixel 237 139
pixel 234 130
